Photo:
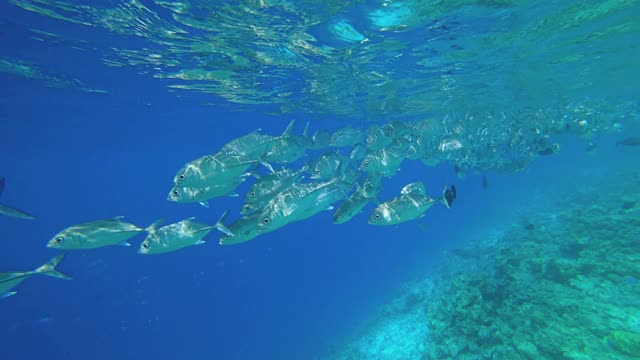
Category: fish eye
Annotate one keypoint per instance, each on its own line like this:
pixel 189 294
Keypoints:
pixel 145 245
pixel 339 217
pixel 59 239
pixel 227 236
pixel 266 220
pixel 253 193
pixel 377 216
pixel 366 162
pixel 318 171
pixel 175 192
pixel 182 176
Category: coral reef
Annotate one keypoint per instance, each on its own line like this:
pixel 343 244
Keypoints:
pixel 561 285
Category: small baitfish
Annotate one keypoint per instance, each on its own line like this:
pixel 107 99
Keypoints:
pixel 9 280
pixel 95 234
pixel 411 204
pixel 178 235
pixel 10 211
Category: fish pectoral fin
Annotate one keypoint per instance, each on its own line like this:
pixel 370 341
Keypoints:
pixel 123 243
pixel 204 203
pixel 233 194
pixel 329 208
pixel 199 242
pixel 7 294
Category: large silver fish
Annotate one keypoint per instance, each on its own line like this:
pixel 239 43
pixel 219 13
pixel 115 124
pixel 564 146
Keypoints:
pixel 178 235
pixel 248 147
pixel 301 201
pixel 268 186
pixel 95 234
pixel 244 229
pixel 211 170
pixel 203 194
pixel 9 280
pixel 382 161
pixel 347 136
pixel 10 211
pixel 289 147
pixel 411 204
pixel 376 138
pixel 358 200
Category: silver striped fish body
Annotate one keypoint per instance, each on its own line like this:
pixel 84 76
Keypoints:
pixel 358 200
pixel 288 149
pixel 95 234
pixel 10 280
pixel 401 209
pixel 174 236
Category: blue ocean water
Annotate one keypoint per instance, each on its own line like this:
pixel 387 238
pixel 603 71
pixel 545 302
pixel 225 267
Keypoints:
pixel 95 127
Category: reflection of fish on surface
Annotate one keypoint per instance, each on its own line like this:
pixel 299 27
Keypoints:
pixel 10 211
pixel 10 280
pixel 95 234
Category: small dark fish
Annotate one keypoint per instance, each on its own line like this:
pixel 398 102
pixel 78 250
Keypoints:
pixel 530 226
pixel 628 205
pixel 630 141
pixel 448 196
pixel 485 182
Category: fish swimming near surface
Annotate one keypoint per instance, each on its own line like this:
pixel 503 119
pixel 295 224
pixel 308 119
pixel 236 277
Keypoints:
pixel 212 170
pixel 178 235
pixel 411 204
pixel 289 147
pixel 10 211
pixel 630 141
pixel 95 234
pixel 202 195
pixel 9 280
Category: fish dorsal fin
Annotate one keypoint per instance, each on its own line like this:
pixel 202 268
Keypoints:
pixel 153 227
pixel 289 130
pixel 1 185
pixel 413 188
pixel 306 130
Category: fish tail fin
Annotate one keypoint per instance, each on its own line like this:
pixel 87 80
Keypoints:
pixel 448 196
pixel 289 130
pixel 220 224
pixel 49 268
pixel 154 226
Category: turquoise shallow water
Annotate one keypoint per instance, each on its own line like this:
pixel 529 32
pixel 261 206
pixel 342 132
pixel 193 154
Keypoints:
pixel 529 108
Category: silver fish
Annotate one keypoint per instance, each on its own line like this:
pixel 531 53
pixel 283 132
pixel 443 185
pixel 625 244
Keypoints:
pixel 411 204
pixel 382 161
pixel 178 235
pixel 376 138
pixel 347 136
pixel 267 186
pixel 9 280
pixel 248 147
pixel 203 194
pixel 212 170
pixel 357 201
pixel 244 229
pixel 95 234
pixel 289 147
pixel 299 202
pixel 10 211
pixel 328 165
